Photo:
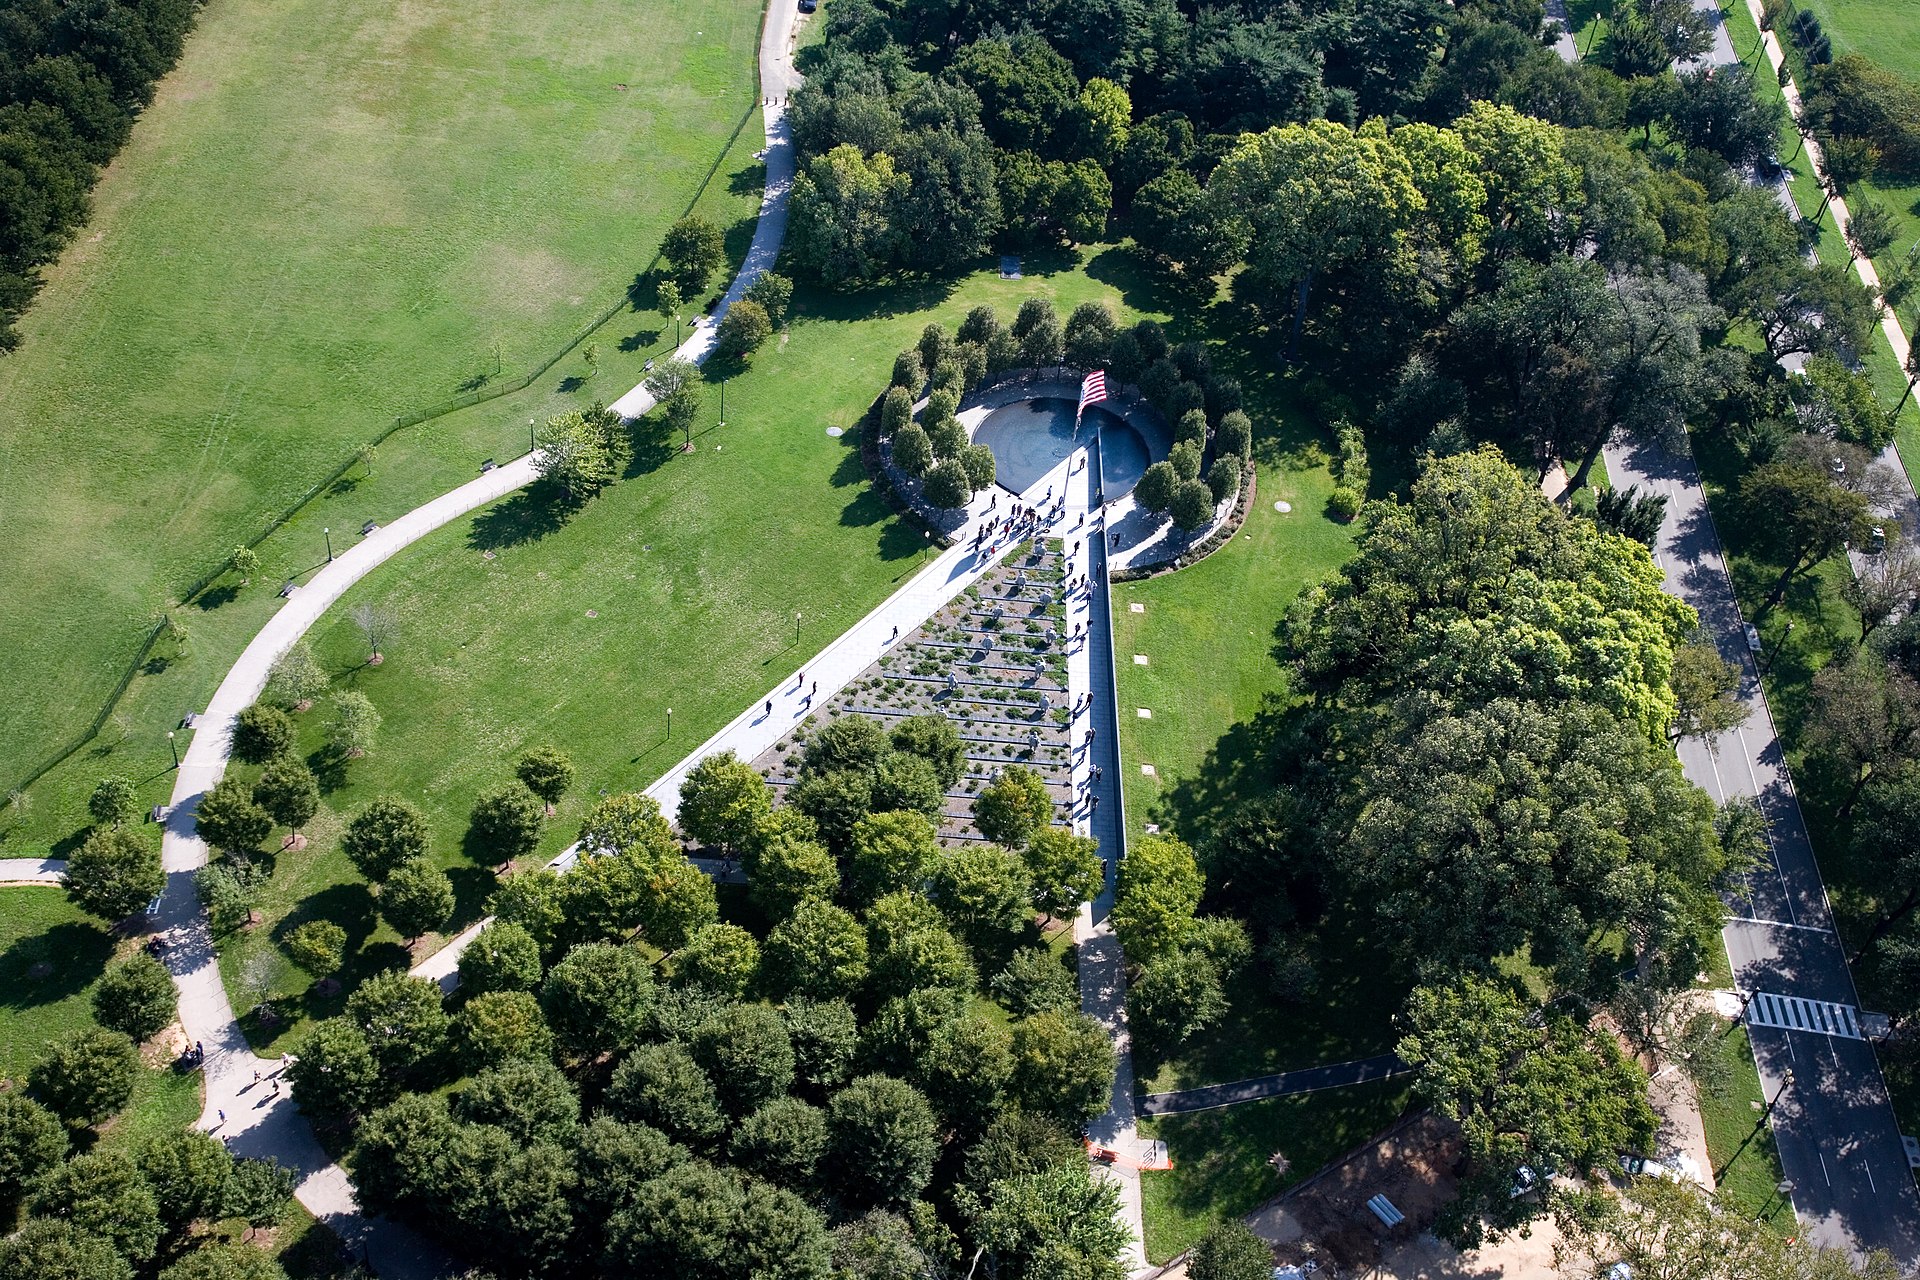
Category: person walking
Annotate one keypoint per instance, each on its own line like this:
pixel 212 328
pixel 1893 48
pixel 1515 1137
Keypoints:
pixel 769 709
pixel 221 1114
pixel 814 690
pixel 801 683
pixel 1091 734
pixel 1096 774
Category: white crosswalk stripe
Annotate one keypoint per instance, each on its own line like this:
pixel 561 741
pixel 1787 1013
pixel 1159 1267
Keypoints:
pixel 1791 1013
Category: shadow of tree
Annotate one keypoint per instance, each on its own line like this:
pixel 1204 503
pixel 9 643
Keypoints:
pixel 73 954
pixel 747 180
pixel 528 516
pixel 213 597
pixel 639 340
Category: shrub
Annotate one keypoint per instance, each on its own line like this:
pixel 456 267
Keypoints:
pixel 136 997
pixel 318 947
pixel 908 372
pixel 1235 435
pixel 297 678
pixel 1192 506
pixel 261 732
pixel 1343 503
pixel 382 836
pixel 1192 426
pixel 773 293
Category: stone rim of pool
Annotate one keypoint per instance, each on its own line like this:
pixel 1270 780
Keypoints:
pixel 1031 437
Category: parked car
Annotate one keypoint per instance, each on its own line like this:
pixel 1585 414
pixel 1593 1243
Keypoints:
pixel 1753 637
pixel 808 6
pixel 1647 1167
pixel 1876 540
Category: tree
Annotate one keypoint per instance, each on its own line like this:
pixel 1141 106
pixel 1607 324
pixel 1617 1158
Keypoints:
pixel 625 823
pixel 383 836
pixel 262 732
pixel 579 453
pixel 504 957
pixel 226 891
pixel 881 1141
pixel 661 1085
pixel 912 450
pixel 746 1052
pixel 1192 506
pixel 546 772
pixel 1835 401
pixel 1888 583
pixel 403 1022
pixel 228 818
pixel 1630 513
pixel 136 997
pixel 1013 807
pixel 896 412
pixel 1864 718
pixel 114 801
pixel 1229 1251
pixel 1223 480
pixel 1154 491
pixel 841 228
pixel 984 890
pixel 1801 518
pixel 785 872
pixel 527 1097
pixel 416 899
pixel 934 739
pixel 980 466
pixel 1541 1092
pixel 681 1223
pixel 773 292
pixel 823 1033
pixel 355 722
pixel 1059 1216
pixel 288 793
pixel 188 1172
pixel 318 947
pixel 691 252
pixel 1174 997
pixel 296 678
pixel 1234 435
pixel 667 301
pixel 948 485
pixel 1706 693
pixel 743 329
pixel 113 874
pixel 60 1250
pixel 909 947
pixel 675 386
pixel 723 959
pixel 258 1192
pixel 891 851
pixel 333 1074
pixel 1062 1066
pixel 1872 228
pixel 723 801
pixel 103 1194
pixel 226 1262
pixel 1066 870
pixel 598 999
pixel 782 1141
pixel 819 952
pixel 32 1142
pixel 1716 109
pixel 506 822
pixel 1157 891
pixel 1179 222
pixel 615 1159
pixel 1035 980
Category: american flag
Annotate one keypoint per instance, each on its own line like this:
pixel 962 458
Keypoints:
pixel 1092 391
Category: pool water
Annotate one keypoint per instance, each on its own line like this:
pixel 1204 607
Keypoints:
pixel 1031 438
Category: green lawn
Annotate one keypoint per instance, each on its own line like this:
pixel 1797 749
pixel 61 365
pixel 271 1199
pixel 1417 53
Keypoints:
pixel 676 588
pixel 1221 1159
pixel 51 954
pixel 331 215
pixel 1888 31
pixel 1746 1165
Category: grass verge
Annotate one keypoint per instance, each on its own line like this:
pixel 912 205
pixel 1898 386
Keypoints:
pixel 1223 1161
pixel 1746 1165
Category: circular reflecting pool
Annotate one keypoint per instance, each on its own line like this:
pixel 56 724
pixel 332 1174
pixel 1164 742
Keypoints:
pixel 1030 438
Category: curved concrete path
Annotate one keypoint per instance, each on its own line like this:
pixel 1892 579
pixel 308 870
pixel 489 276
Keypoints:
pixel 33 871
pixel 245 1102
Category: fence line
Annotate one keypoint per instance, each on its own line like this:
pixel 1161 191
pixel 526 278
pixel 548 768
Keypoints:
pixel 464 401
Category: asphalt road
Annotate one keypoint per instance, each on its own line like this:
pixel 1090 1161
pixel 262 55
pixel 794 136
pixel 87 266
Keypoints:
pixel 1307 1080
pixel 1839 1144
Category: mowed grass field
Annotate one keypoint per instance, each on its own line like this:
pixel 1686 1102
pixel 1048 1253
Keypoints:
pixel 675 588
pixel 332 214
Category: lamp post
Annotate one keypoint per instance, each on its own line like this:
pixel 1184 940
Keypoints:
pixel 328 534
pixel 669 722
pixel 723 402
pixel 796 626
pixel 529 435
pixel 175 747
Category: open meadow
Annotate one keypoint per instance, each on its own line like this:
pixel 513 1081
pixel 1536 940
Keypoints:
pixel 329 218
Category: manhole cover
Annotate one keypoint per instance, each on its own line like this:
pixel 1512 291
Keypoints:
pixel 593 613
pixel 1283 507
pixel 835 432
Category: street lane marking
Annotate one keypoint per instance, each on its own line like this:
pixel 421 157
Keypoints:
pixel 1778 924
pixel 1793 1013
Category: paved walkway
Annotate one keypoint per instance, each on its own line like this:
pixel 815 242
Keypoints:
pixel 1306 1080
pixel 241 1100
pixel 32 870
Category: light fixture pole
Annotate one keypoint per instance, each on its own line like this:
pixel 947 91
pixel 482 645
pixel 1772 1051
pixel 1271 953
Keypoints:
pixel 796 626
pixel 175 748
pixel 328 534
pixel 723 402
